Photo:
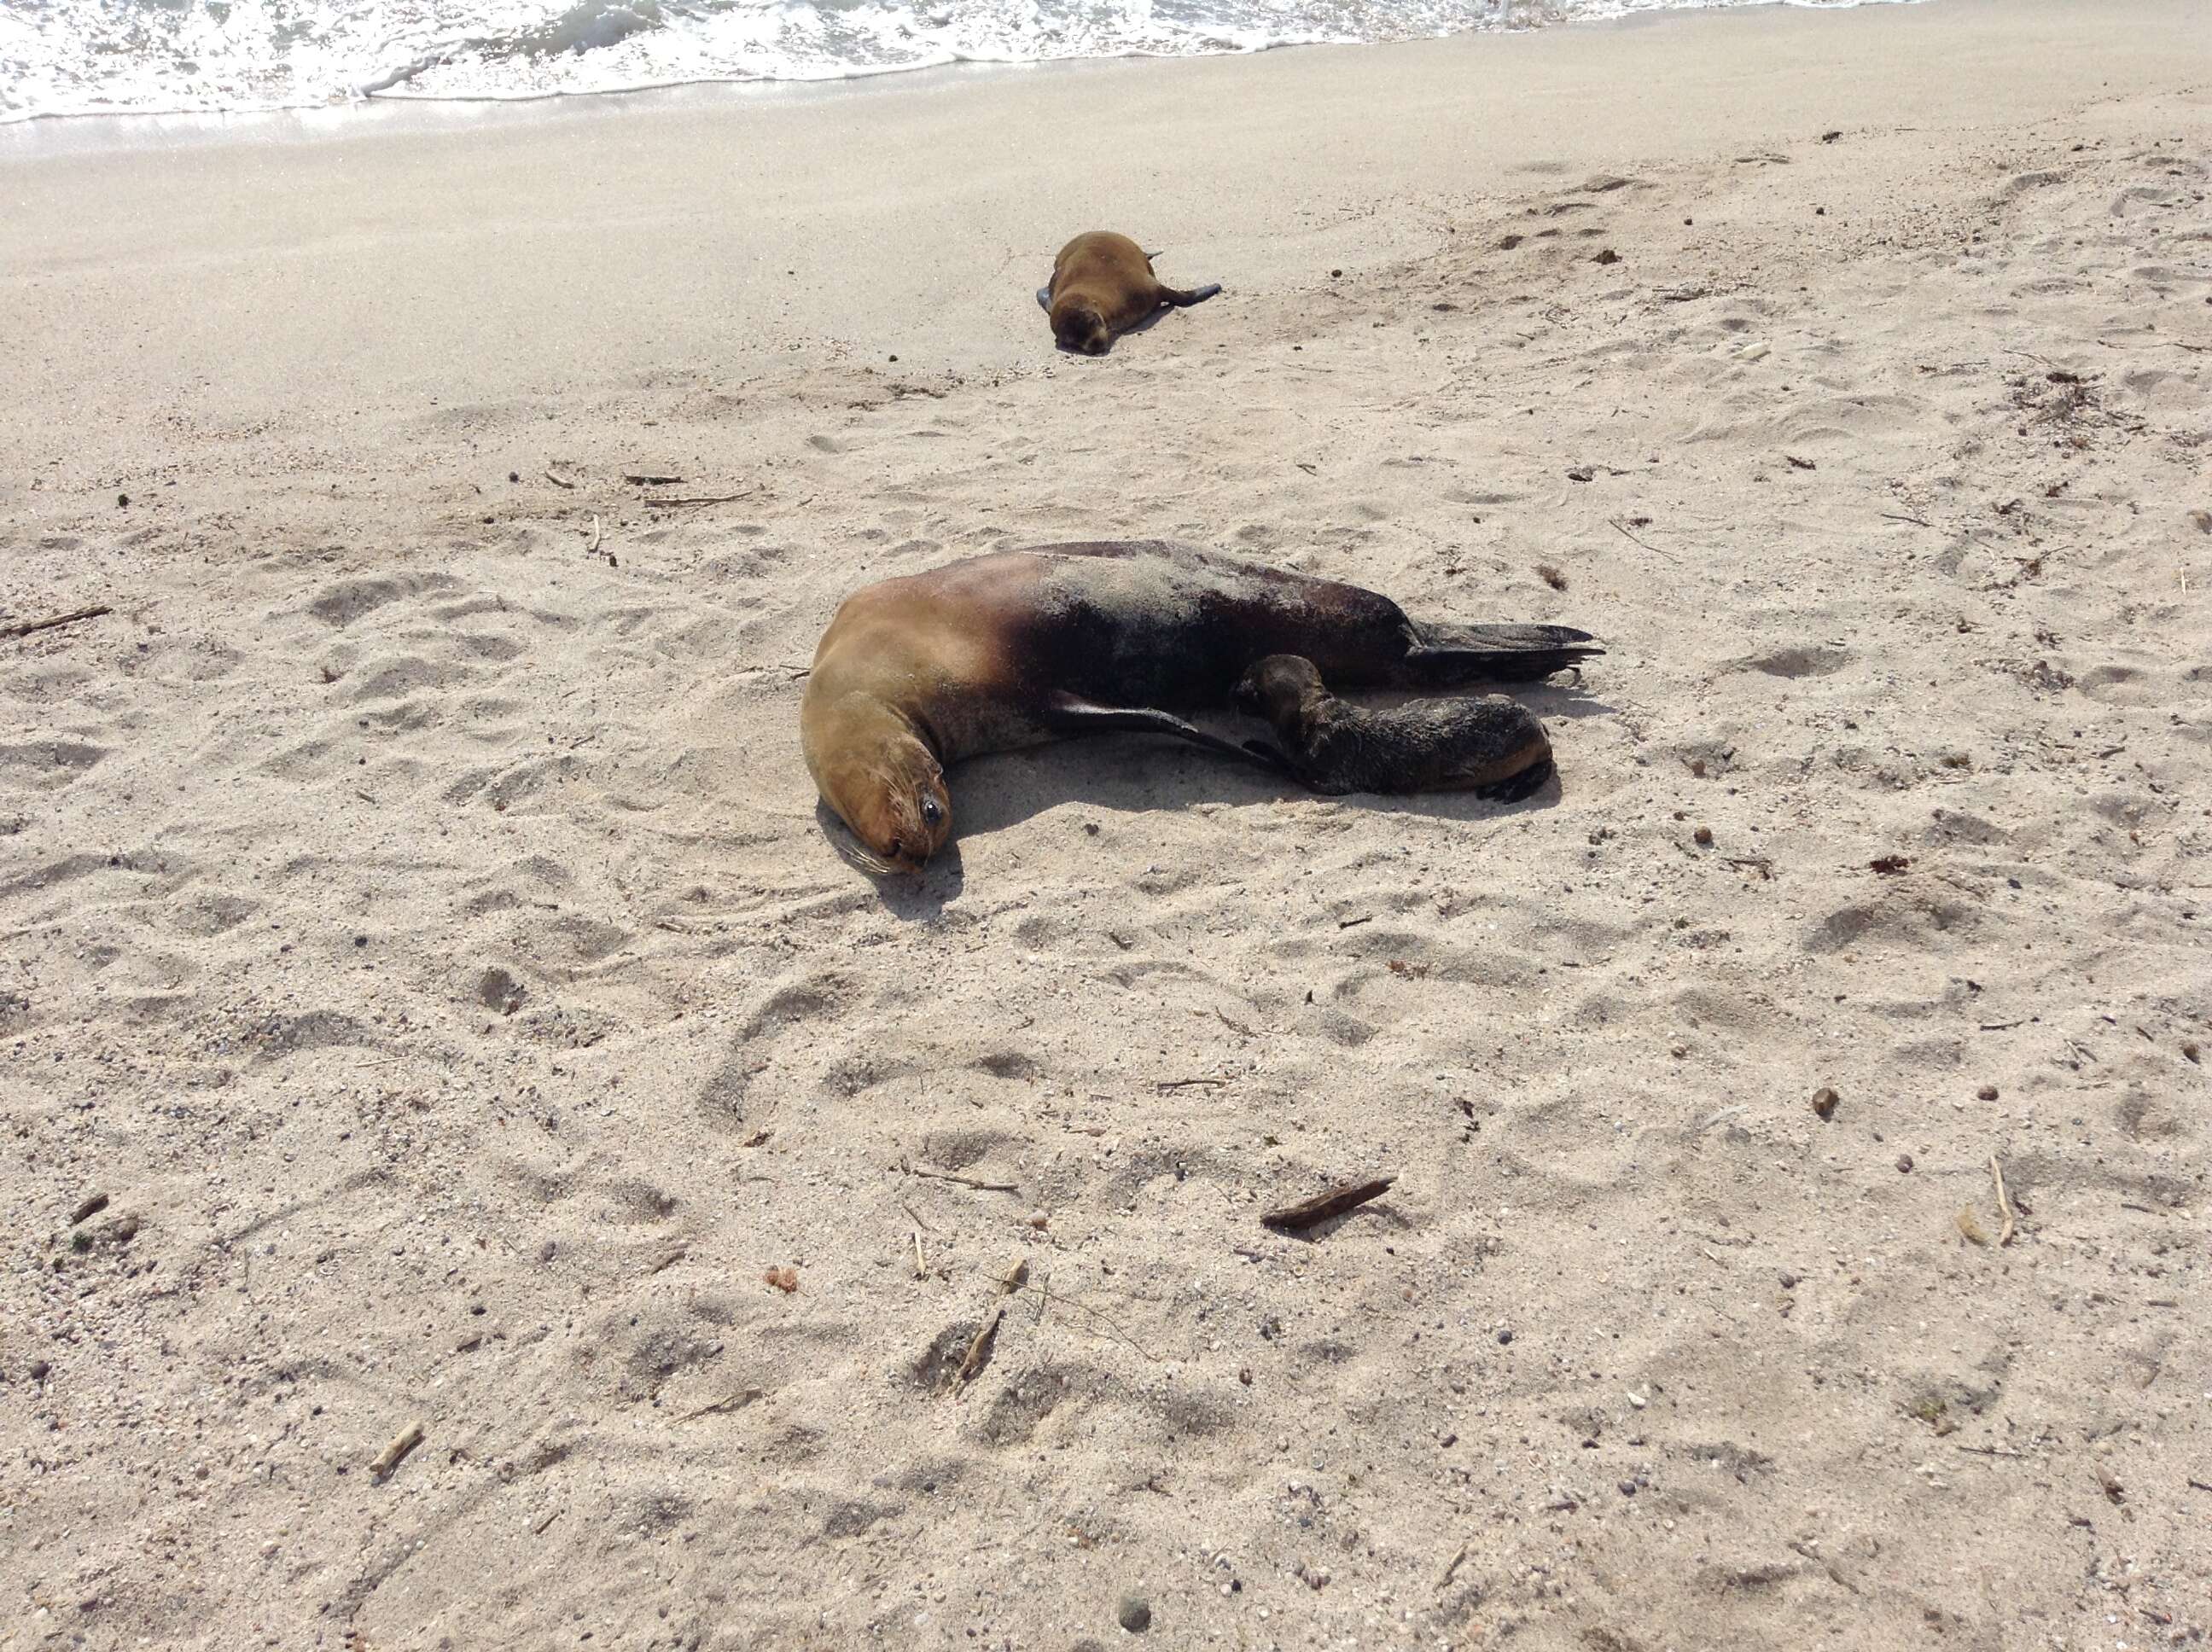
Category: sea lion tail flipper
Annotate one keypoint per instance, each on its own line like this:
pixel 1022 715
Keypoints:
pixel 1071 715
pixel 1181 297
pixel 1044 299
pixel 1446 656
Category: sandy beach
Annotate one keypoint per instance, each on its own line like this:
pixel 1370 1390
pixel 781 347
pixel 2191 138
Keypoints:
pixel 431 1000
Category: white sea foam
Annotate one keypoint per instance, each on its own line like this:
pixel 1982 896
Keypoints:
pixel 95 57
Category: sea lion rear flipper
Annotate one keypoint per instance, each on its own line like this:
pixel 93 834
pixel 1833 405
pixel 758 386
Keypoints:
pixel 1447 656
pixel 1044 299
pixel 1069 715
pixel 1180 298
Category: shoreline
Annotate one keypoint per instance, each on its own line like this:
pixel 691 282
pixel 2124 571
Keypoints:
pixel 384 99
pixel 637 230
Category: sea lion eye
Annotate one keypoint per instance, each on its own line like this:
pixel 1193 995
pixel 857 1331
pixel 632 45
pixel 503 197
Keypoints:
pixel 931 814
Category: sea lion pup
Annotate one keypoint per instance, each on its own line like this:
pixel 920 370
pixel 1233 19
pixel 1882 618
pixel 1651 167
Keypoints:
pixel 1103 284
pixel 1023 647
pixel 1491 747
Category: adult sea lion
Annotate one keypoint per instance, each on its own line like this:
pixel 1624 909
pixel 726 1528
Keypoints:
pixel 1023 647
pixel 1103 284
pixel 1490 746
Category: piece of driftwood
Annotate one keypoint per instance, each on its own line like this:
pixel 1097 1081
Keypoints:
pixel 25 628
pixel 979 1353
pixel 2004 1203
pixel 395 1454
pixel 965 1181
pixel 658 499
pixel 1334 1202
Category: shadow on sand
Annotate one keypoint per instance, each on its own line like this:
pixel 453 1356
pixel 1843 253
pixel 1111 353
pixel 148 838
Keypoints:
pixel 1133 774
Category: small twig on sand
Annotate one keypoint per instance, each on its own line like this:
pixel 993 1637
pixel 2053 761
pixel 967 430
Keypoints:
pixel 1166 1084
pixel 539 1530
pixel 646 479
pixel 25 628
pixel 2005 1026
pixel 1082 1306
pixel 670 1258
pixel 965 1181
pixel 594 545
pixel 1334 1202
pixel 1992 1451
pixel 700 499
pixel 921 1260
pixel 396 1453
pixel 2004 1204
pixel 1917 521
pixel 1014 1277
pixel 1452 1569
pixel 557 479
pixel 728 1402
pixel 979 1354
pixel 1354 923
pixel 1633 539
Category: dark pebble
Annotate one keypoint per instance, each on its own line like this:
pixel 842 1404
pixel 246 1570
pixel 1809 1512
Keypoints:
pixel 360 940
pixel 121 500
pixel 37 1368
pixel 1335 275
pixel 1905 1163
pixel 1987 1093
pixel 514 475
pixel 1505 1336
pixel 1135 1616
pixel 1824 1100
pixel 1703 834
pixel 1628 1488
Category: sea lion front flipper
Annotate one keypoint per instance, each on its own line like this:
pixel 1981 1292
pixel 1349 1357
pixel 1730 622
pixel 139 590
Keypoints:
pixel 1069 715
pixel 1181 298
pixel 1044 299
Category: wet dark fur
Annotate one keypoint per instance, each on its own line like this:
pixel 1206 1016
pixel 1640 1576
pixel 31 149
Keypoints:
pixel 1491 747
pixel 1113 654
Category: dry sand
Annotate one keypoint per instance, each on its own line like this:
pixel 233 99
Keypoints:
pixel 420 932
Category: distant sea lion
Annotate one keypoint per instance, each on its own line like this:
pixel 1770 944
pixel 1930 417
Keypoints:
pixel 1023 646
pixel 1491 747
pixel 1103 285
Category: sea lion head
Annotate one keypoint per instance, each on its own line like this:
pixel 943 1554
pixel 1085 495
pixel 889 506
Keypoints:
pixel 1275 685
pixel 883 781
pixel 1080 328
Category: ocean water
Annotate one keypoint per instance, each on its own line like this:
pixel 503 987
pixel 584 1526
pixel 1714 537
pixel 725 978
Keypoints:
pixel 107 57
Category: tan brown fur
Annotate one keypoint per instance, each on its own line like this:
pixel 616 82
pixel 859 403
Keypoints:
pixel 1103 285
